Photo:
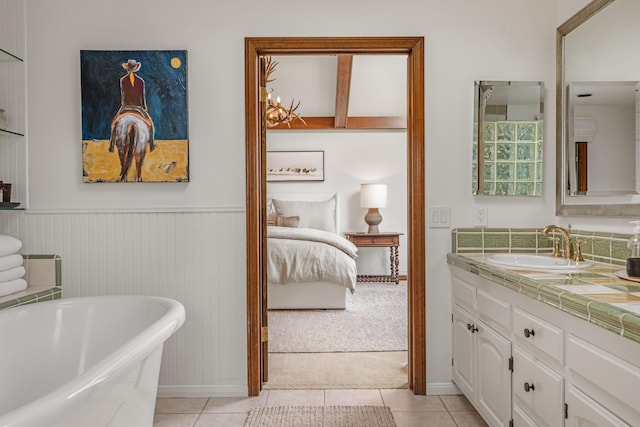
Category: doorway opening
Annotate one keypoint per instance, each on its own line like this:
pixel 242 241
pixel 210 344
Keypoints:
pixel 582 166
pixel 255 48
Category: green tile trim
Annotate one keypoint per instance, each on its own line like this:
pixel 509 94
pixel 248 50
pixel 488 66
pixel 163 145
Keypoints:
pixel 43 295
pixel 58 262
pixel 608 248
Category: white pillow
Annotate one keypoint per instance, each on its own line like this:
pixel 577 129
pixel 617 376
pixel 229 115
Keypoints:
pixel 270 209
pixel 320 215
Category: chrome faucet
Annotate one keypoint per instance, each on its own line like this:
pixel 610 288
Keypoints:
pixel 566 235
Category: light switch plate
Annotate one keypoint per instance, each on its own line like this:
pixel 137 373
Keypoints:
pixel 439 217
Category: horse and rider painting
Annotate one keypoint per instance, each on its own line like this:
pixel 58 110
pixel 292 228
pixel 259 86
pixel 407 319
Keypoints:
pixel 134 116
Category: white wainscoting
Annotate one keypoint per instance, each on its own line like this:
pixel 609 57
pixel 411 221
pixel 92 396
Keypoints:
pixel 196 257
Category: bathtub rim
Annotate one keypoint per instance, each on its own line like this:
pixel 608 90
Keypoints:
pixel 133 351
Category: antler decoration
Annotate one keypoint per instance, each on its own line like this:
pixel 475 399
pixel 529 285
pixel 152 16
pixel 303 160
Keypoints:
pixel 276 113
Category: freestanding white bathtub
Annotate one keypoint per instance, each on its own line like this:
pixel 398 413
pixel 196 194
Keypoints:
pixel 90 361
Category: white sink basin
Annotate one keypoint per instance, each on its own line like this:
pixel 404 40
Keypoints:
pixel 537 262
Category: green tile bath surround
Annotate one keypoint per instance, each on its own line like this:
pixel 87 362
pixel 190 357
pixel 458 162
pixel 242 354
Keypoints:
pixel 42 293
pixel 606 250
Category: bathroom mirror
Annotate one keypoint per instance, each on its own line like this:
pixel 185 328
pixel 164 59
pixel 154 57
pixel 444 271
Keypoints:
pixel 597 145
pixel 508 132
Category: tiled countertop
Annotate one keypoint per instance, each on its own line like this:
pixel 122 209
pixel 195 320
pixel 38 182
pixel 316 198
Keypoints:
pixel 596 294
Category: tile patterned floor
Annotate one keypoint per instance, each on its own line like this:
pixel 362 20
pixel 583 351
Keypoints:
pixel 408 410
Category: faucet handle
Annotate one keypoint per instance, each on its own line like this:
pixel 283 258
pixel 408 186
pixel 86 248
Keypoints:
pixel 578 255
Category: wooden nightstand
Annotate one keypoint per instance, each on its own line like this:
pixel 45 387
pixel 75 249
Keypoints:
pixel 378 240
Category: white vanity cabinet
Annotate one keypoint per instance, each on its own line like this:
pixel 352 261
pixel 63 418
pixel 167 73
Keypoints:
pixel 481 355
pixel 565 370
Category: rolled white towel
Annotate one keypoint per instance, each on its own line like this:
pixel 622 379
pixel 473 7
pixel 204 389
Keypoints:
pixel 12 274
pixel 17 285
pixel 10 261
pixel 9 245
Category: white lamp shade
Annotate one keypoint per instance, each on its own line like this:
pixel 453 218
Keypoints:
pixel 373 196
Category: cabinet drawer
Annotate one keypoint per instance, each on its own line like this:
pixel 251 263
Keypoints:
pixel 494 311
pixel 604 371
pixel 464 294
pixel 538 333
pixel 364 240
pixel 538 388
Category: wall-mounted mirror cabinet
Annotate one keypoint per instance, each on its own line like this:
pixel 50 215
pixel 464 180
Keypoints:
pixel 598 145
pixel 507 138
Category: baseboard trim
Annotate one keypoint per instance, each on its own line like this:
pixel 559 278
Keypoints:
pixel 442 389
pixel 203 391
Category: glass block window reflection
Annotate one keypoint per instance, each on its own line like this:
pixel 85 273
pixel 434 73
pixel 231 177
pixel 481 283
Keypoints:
pixel 511 158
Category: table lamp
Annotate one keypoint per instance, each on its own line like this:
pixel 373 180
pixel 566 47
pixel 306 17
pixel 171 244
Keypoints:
pixel 372 197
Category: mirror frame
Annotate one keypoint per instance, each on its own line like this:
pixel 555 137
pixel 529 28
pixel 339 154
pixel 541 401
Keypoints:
pixel 479 141
pixel 562 209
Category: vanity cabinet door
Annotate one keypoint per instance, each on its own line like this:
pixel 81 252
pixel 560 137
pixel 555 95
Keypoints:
pixel 521 419
pixel 493 378
pixel 463 352
pixel 481 367
pixel 615 383
pixel 538 389
pixel 585 412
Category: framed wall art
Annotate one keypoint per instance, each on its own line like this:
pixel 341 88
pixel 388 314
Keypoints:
pixel 295 166
pixel 134 115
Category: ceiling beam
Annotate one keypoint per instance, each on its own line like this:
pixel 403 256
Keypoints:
pixel 328 123
pixel 343 88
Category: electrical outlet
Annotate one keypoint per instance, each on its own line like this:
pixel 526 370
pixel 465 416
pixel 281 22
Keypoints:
pixel 480 216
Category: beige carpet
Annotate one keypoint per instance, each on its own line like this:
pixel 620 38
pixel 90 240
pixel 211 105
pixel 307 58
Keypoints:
pixel 322 371
pixel 375 320
pixel 320 416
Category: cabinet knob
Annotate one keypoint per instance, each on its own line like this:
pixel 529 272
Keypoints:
pixel 529 332
pixel 472 328
pixel 528 387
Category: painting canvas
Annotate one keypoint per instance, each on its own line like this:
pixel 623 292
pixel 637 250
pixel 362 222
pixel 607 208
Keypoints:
pixel 134 116
pixel 295 166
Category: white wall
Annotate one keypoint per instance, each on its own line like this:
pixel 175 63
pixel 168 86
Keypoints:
pixel 464 41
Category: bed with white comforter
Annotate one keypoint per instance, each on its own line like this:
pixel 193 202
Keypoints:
pixel 309 255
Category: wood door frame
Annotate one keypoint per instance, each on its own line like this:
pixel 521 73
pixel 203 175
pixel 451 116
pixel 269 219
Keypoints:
pixel 582 167
pixel 413 47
